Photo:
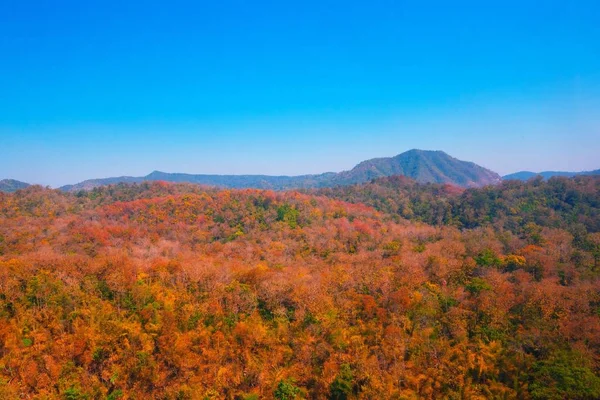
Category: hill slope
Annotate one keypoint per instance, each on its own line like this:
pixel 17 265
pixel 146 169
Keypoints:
pixel 567 203
pixel 92 183
pixel 11 185
pixel 420 165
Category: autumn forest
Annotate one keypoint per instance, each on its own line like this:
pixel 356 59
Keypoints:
pixel 389 289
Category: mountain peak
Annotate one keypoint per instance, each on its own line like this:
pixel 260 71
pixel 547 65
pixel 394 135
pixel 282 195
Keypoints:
pixel 424 166
pixel 421 151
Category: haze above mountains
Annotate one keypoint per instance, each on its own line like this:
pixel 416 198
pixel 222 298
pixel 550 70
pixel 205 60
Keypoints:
pixel 424 166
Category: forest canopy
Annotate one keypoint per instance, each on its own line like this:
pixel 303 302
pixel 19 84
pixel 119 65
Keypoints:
pixel 389 289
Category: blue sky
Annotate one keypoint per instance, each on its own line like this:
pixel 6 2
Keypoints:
pixel 104 89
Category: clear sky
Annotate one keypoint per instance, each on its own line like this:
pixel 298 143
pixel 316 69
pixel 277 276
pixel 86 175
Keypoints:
pixel 94 89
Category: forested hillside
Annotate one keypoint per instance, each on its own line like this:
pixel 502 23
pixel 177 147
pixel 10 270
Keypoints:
pixel 571 204
pixel 175 291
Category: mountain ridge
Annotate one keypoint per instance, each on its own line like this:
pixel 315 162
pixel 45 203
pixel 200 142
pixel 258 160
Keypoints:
pixel 526 175
pixel 424 166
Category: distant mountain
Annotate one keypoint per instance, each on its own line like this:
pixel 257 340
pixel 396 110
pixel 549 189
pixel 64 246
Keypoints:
pixel 421 165
pixel 247 181
pixel 526 175
pixel 11 185
pixel 229 181
pixel 92 183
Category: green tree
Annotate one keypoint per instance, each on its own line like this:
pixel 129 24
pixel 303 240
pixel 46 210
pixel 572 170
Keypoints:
pixel 288 214
pixel 563 377
pixel 286 390
pixel 342 385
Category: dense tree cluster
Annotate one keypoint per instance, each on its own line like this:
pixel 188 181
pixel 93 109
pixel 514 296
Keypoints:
pixel 571 204
pixel 172 291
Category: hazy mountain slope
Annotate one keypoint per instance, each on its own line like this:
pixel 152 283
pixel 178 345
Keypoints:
pixel 245 181
pixel 92 183
pixel 420 165
pixel 526 175
pixel 229 181
pixel 11 185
